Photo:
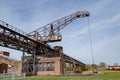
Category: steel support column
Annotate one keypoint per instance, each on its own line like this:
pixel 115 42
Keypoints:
pixel 23 61
pixel 34 63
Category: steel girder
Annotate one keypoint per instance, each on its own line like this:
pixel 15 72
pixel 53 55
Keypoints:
pixel 14 40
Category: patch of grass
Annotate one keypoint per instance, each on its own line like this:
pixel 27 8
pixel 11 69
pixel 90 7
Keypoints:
pixel 108 73
pixel 103 75
pixel 67 79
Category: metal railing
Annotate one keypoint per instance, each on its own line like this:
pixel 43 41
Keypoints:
pixel 12 76
pixel 12 27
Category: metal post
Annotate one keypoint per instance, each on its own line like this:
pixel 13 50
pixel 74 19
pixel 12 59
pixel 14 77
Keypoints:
pixel 33 62
pixel 23 61
pixel 64 65
pixel 13 77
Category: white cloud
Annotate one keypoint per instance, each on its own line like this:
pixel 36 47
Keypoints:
pixel 76 42
pixel 102 51
pixel 96 27
pixel 99 6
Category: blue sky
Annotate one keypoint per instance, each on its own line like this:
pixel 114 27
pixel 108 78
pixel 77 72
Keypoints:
pixel 104 21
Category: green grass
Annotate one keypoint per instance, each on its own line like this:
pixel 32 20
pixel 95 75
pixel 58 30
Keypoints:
pixel 103 75
pixel 108 73
pixel 67 79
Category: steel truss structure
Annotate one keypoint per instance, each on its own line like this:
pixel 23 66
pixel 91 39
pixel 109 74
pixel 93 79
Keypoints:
pixel 14 38
pixel 10 38
pixel 51 31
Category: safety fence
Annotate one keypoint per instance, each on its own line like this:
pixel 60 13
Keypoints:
pixel 12 76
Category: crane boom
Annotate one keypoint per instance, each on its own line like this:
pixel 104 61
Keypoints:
pixel 51 31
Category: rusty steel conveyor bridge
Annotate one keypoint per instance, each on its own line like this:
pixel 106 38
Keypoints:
pixel 14 38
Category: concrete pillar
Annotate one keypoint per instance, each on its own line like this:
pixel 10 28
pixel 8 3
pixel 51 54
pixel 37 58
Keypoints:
pixel 19 70
pixel 57 67
pixel 74 65
pixel 62 64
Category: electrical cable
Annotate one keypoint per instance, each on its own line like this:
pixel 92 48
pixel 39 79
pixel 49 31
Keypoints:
pixel 90 39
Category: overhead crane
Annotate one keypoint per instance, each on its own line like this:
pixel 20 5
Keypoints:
pixel 35 42
pixel 51 31
pixel 15 38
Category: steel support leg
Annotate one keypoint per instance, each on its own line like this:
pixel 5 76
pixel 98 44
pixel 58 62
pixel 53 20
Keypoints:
pixel 23 61
pixel 34 70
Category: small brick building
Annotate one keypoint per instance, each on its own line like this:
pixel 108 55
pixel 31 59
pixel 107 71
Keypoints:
pixel 54 64
pixel 5 60
pixel 114 68
pixel 46 64
pixel 3 66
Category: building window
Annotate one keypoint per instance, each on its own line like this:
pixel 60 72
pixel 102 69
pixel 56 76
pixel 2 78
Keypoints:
pixel 46 66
